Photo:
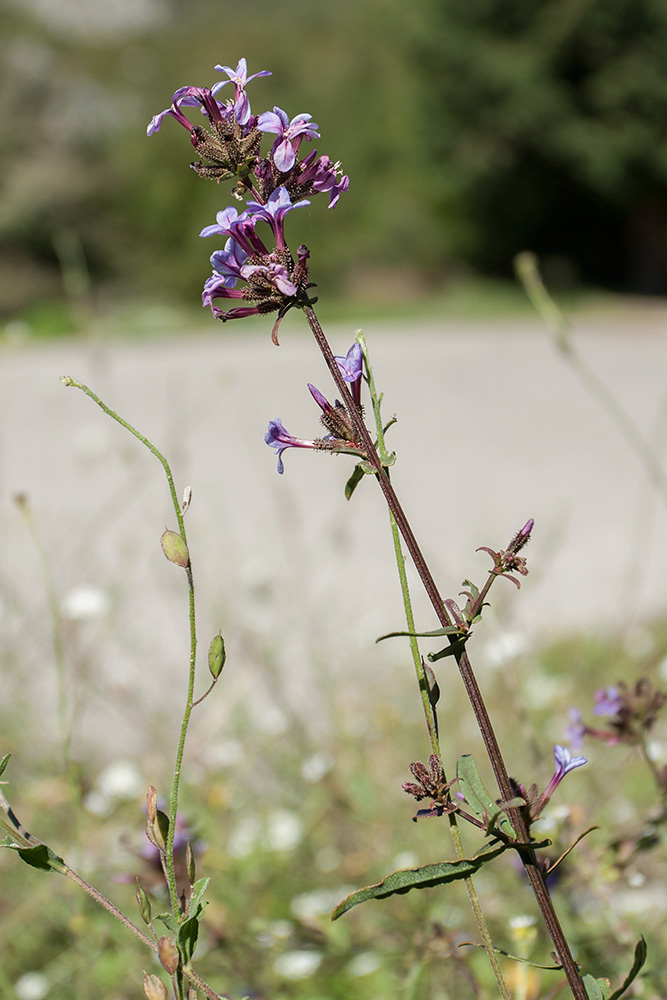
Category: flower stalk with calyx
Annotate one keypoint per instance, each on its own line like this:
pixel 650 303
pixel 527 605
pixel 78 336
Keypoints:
pixel 526 853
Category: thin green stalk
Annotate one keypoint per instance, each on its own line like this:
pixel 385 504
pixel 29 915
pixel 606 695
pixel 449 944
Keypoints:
pixel 64 712
pixel 171 876
pixel 528 273
pixel 429 713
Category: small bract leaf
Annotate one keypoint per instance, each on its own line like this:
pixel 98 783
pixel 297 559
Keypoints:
pixel 417 878
pixel 4 762
pixel 216 656
pixel 175 548
pixel 144 903
pixel 353 481
pixel 596 989
pixel 478 797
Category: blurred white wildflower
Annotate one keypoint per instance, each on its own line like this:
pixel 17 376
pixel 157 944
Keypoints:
pixel 504 648
pixel 522 921
pixel 284 830
pixel 636 880
pixel 540 691
pixel 406 859
pixel 244 838
pixel 309 905
pixel 297 964
pixel 32 986
pixel 364 964
pixel 314 768
pixel 656 751
pixel 276 931
pixel 121 780
pixel 85 603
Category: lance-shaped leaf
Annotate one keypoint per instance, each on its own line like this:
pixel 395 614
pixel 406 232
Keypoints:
pixel 479 798
pixel 40 856
pixel 425 877
pixel 446 630
pixel 353 481
pixel 640 958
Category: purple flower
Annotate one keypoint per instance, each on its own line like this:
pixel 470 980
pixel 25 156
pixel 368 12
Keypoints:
pixel 279 439
pixel 228 262
pixel 321 174
pixel 239 77
pixel 274 211
pixel 564 762
pixel 607 701
pixel 351 367
pixel 290 135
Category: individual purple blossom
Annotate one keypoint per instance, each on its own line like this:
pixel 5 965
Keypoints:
pixel 607 701
pixel 241 228
pixel 290 135
pixel 274 211
pixel 351 367
pixel 280 439
pixel 228 262
pixel 321 174
pixel 565 762
pixel 239 77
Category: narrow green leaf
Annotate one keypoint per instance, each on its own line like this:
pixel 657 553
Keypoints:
pixel 198 890
pixel 596 989
pixel 417 878
pixel 447 630
pixel 478 797
pixel 453 649
pixel 4 762
pixel 187 936
pixel 353 481
pixel 40 856
pixel 641 952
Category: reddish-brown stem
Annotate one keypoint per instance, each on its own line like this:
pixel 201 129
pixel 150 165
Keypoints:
pixel 465 669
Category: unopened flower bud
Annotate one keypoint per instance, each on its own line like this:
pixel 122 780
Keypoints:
pixel 151 803
pixel 154 988
pixel 168 954
pixel 175 548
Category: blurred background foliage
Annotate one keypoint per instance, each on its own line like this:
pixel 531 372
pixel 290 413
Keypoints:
pixel 470 132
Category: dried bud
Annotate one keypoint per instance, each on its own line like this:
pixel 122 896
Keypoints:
pixel 175 548
pixel 216 656
pixel 154 988
pixel 168 954
pixel 151 802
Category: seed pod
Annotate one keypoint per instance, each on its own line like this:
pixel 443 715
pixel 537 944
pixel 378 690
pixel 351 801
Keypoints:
pixel 144 903
pixel 216 656
pixel 175 548
pixel 168 954
pixel 154 988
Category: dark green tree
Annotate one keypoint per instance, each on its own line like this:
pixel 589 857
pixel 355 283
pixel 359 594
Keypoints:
pixel 547 126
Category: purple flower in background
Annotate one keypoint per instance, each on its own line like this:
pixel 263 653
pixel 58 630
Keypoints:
pixel 279 439
pixel 290 135
pixel 239 77
pixel 607 701
pixel 351 367
pixel 576 731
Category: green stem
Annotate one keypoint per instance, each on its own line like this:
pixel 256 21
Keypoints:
pixel 171 876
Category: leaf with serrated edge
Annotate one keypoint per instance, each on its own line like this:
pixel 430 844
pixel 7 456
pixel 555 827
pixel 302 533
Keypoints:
pixel 640 957
pixel 476 795
pixel 417 878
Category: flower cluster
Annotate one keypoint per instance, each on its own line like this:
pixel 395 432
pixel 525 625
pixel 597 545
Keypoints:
pixel 273 280
pixel 632 712
pixel 341 438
